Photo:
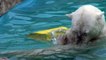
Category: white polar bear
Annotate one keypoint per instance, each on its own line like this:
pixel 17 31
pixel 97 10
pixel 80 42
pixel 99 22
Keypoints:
pixel 87 24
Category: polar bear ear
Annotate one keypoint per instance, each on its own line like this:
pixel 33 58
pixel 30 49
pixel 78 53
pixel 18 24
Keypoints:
pixel 69 15
pixel 99 16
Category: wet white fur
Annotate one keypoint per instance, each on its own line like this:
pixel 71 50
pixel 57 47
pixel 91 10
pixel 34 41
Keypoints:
pixel 87 16
pixel 87 19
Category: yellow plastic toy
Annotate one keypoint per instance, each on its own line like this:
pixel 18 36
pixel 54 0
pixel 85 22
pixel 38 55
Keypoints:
pixel 48 34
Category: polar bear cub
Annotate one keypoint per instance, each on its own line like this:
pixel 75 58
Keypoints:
pixel 87 24
pixel 86 18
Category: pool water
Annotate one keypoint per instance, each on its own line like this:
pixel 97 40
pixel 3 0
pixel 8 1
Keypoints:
pixel 34 15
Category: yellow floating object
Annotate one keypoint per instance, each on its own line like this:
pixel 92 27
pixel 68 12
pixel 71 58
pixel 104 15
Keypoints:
pixel 46 34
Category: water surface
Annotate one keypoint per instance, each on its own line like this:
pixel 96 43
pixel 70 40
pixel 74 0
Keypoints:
pixel 34 15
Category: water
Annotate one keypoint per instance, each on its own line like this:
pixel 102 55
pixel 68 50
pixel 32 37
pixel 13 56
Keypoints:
pixel 34 15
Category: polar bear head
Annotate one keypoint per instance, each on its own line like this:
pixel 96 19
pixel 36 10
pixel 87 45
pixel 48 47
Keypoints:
pixel 87 19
